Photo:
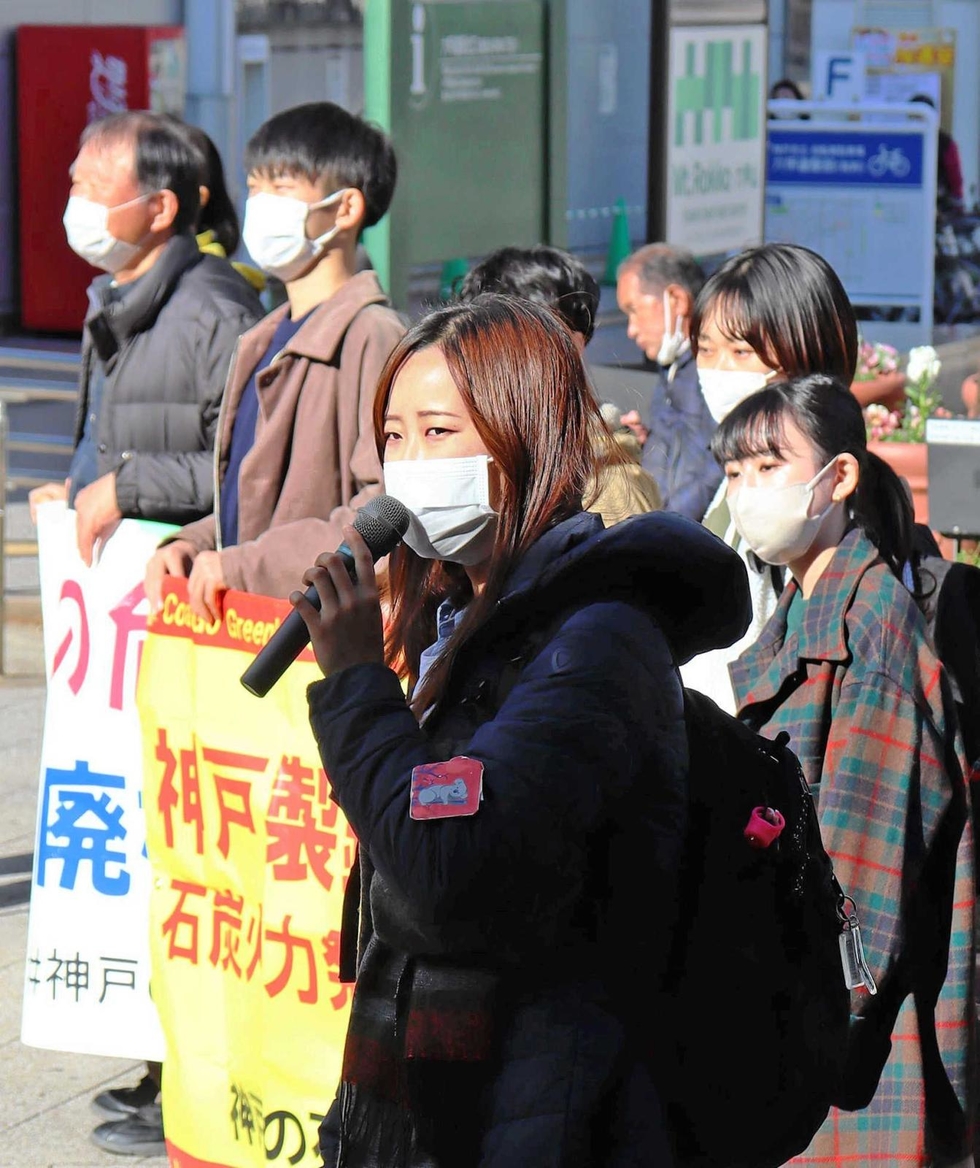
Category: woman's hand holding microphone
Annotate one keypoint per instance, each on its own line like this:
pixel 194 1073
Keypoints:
pixel 348 630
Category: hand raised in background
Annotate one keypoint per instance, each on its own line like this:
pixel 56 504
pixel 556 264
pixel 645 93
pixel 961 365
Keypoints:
pixel 98 514
pixel 47 493
pixel 205 586
pixel 632 419
pixel 173 559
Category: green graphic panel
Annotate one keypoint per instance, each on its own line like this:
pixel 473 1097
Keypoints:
pixel 718 88
pixel 468 93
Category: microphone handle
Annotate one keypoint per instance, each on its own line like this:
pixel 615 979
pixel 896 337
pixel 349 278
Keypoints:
pixel 288 641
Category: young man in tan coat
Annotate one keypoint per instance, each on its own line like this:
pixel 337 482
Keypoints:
pixel 295 454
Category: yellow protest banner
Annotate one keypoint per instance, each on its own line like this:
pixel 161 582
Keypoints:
pixel 249 857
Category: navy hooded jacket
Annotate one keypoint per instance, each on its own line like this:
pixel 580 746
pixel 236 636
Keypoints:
pixel 678 449
pixel 588 744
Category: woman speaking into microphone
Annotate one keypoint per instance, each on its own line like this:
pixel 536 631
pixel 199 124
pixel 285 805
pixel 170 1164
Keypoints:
pixel 529 793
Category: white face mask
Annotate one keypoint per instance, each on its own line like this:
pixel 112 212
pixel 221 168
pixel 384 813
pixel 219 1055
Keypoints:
pixel 450 503
pixel 724 389
pixel 673 339
pixel 776 522
pixel 86 226
pixel 274 232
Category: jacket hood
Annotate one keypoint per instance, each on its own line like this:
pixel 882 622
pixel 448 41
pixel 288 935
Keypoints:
pixel 692 581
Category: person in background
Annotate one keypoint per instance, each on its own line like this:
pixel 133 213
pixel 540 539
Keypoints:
pixel 845 667
pixel 769 313
pixel 656 288
pixel 622 488
pixel 503 1012
pixel 545 275
pixel 949 176
pixel 295 456
pixel 157 340
pixel 787 90
pixel 162 324
pixel 218 233
pixel 558 281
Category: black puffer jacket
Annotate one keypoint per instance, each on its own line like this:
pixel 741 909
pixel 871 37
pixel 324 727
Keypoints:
pixel 166 348
pixel 560 886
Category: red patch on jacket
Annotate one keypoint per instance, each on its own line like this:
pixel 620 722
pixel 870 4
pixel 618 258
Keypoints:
pixel 444 790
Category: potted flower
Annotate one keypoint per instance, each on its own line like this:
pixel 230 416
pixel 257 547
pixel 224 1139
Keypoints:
pixel 878 378
pixel 898 434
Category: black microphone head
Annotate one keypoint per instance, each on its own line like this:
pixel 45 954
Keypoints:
pixel 382 524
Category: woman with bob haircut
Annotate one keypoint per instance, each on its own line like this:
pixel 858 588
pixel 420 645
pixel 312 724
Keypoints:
pixel 779 309
pixel 770 313
pixel 509 808
pixel 844 665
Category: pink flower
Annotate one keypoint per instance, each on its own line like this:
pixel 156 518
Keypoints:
pixel 874 360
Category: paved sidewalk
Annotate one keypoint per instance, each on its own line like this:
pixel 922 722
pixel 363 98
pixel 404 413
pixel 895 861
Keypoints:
pixel 46 1117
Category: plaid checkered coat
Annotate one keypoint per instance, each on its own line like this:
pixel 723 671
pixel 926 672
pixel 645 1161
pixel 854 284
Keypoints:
pixel 870 715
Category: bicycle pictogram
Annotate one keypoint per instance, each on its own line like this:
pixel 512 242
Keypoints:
pixel 893 162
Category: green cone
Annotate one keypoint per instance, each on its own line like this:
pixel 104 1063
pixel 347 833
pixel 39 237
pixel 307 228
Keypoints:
pixel 619 242
pixel 453 272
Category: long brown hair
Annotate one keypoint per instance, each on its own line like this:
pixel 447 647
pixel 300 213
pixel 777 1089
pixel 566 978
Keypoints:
pixel 523 382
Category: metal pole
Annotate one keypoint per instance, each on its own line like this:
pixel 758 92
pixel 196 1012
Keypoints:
pixel 3 532
pixel 657 139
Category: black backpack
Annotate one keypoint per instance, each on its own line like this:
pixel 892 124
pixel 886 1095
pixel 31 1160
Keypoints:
pixel 755 1000
pixel 758 1006
pixel 950 604
pixel 951 608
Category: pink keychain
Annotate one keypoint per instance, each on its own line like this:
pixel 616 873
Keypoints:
pixel 764 827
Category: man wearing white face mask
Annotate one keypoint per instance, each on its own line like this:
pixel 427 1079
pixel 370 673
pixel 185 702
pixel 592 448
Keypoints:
pixel 160 330
pixel 656 288
pixel 159 333
pixel 295 455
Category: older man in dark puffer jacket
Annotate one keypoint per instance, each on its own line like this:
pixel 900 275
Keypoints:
pixel 159 334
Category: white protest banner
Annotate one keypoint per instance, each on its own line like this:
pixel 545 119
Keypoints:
pixel 86 986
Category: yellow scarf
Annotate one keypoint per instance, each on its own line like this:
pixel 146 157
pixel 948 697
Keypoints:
pixel 207 242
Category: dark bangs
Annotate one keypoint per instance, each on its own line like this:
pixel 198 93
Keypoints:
pixel 755 427
pixel 788 304
pixel 738 318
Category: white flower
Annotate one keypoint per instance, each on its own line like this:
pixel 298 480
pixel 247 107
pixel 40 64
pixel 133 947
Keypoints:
pixel 923 364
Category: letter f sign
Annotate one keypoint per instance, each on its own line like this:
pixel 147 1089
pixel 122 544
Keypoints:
pixel 839 75
pixel 838 70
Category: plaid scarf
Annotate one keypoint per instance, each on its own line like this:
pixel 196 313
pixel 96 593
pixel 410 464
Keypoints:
pixel 418 1043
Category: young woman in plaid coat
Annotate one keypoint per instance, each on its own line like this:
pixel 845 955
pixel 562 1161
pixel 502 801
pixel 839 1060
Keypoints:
pixel 844 665
pixel 768 314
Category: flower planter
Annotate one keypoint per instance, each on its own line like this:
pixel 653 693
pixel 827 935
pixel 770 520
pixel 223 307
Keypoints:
pixel 888 389
pixel 970 394
pixel 908 460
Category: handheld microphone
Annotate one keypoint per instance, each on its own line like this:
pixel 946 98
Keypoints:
pixel 381 523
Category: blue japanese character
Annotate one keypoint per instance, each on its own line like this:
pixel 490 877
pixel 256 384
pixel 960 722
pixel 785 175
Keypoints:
pixel 87 823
